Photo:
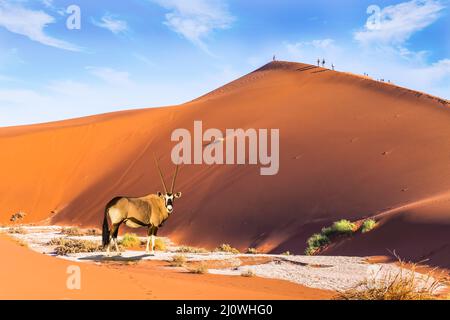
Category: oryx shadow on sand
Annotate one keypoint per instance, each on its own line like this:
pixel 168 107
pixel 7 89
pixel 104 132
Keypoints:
pixel 115 258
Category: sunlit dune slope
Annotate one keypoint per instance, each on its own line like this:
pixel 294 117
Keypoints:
pixel 350 147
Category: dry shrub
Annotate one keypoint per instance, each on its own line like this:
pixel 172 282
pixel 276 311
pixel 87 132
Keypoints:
pixel 66 246
pixel 17 230
pixel 401 284
pixel 93 232
pixel 248 273
pixel 72 231
pixel 178 260
pixel 187 249
pixel 199 269
pixel 160 244
pixel 130 240
pixel 252 251
pixel 227 248
pixel 16 217
pixel 22 243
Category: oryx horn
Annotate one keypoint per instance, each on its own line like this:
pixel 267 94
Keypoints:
pixel 173 180
pixel 160 174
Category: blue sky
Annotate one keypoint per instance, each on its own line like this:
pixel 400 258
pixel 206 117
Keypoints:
pixel 147 53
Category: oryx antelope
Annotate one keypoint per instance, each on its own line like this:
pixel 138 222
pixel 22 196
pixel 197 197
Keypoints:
pixel 150 212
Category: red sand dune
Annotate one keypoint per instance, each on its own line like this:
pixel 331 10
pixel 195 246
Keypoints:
pixel 350 148
pixel 30 275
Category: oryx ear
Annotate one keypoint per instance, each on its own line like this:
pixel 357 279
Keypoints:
pixel 178 195
pixel 159 194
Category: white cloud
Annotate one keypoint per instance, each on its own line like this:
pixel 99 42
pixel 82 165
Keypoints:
pixel 112 24
pixel 434 73
pixel 395 24
pixel 48 3
pixel 310 51
pixel 399 65
pixel 322 44
pixel 31 24
pixel 111 76
pixel 196 19
pixel 64 99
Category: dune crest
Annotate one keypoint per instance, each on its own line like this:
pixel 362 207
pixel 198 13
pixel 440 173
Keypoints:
pixel 350 148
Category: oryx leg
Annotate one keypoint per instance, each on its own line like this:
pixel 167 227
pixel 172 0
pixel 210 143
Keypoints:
pixel 117 246
pixel 151 237
pixel 153 244
pixel 154 232
pixel 147 250
pixel 114 234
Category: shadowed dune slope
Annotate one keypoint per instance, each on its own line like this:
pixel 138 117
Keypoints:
pixel 350 148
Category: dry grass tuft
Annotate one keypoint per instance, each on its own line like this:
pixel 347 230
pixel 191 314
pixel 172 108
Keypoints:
pixel 178 260
pixel 160 244
pixel 93 232
pixel 66 246
pixel 21 243
pixel 248 273
pixel 130 240
pixel 72 231
pixel 188 249
pixel 227 248
pixel 252 251
pixel 199 269
pixel 401 285
pixel 17 230
pixel 16 217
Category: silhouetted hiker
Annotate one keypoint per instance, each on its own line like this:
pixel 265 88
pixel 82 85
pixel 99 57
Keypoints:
pixel 318 62
pixel 323 63
pixel 274 58
pixel 332 66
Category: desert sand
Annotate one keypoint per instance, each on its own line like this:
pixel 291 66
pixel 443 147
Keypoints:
pixel 31 275
pixel 351 148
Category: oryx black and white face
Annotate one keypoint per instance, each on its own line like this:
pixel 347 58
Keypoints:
pixel 169 200
pixel 168 196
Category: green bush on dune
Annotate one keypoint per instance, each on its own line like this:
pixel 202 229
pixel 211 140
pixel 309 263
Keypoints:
pixel 343 227
pixel 315 242
pixel 368 225
pixel 319 240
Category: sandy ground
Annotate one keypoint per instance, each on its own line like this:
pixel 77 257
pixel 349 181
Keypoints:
pixel 32 275
pixel 351 148
pixel 285 277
